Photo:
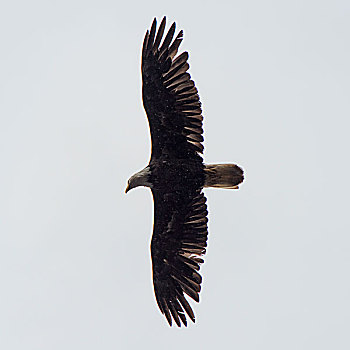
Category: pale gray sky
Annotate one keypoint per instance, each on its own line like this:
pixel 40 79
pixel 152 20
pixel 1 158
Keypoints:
pixel 75 268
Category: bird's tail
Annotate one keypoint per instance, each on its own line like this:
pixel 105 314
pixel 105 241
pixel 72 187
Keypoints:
pixel 223 175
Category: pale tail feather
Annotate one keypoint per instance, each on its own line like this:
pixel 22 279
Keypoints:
pixel 223 175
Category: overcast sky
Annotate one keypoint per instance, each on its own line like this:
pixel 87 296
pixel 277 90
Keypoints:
pixel 273 77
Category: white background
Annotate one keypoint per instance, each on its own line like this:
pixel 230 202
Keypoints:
pixel 75 268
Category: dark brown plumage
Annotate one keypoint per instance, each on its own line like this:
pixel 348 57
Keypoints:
pixel 176 173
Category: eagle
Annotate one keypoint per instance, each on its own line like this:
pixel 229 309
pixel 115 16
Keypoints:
pixel 176 173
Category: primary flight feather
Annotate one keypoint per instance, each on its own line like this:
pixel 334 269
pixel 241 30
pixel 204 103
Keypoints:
pixel 176 173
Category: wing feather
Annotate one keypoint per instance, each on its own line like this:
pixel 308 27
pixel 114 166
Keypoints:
pixel 159 34
pixel 174 313
pixel 175 45
pixel 145 44
pixel 167 40
pixel 186 306
pixel 151 35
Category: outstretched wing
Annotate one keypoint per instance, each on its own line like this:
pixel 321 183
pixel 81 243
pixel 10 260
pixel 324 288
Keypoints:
pixel 169 96
pixel 179 239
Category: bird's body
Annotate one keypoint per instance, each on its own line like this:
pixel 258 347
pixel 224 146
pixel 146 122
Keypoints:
pixel 176 173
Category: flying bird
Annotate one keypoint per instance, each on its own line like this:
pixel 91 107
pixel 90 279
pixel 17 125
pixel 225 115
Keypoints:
pixel 176 173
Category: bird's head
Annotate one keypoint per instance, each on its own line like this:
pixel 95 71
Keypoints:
pixel 139 179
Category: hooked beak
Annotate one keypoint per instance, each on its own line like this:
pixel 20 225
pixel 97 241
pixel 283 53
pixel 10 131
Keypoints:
pixel 127 189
